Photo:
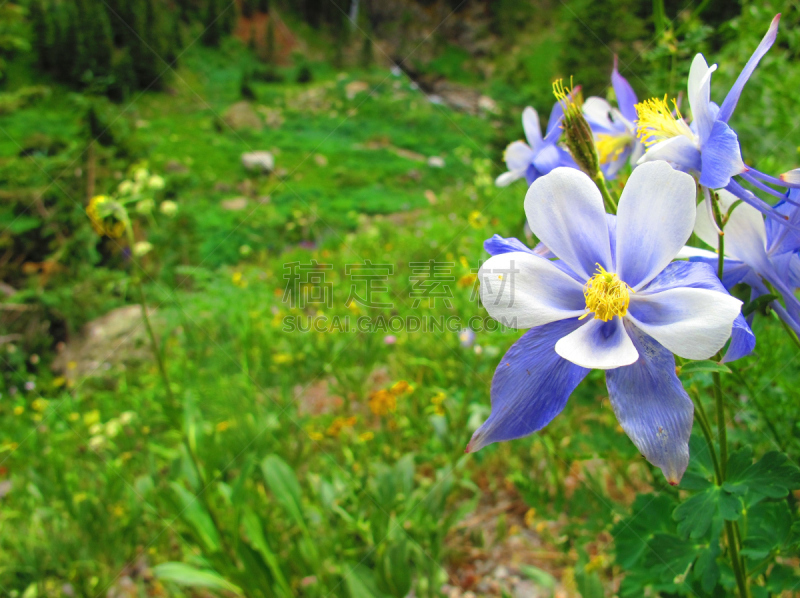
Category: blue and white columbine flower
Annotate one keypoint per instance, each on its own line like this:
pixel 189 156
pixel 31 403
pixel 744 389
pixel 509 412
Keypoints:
pixel 756 252
pixel 615 128
pixel 540 155
pixel 709 148
pixel 611 301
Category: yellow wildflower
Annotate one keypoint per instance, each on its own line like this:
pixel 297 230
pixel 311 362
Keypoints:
pixel 238 280
pixel 366 436
pixel 399 388
pixel 382 402
pixel 222 426
pixel 91 417
pixel 19 410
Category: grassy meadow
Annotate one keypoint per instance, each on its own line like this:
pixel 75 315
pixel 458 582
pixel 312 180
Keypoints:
pixel 327 462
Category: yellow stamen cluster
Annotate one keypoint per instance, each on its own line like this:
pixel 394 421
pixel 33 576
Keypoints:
pixel 572 103
pixel 610 147
pixel 657 122
pixel 104 221
pixel 606 295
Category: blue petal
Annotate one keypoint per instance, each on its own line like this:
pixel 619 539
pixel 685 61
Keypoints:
pixel 497 245
pixel 721 157
pixel 652 406
pixel 554 123
pixel 626 97
pixel 530 386
pixel 547 159
pixel 743 341
pixel 729 105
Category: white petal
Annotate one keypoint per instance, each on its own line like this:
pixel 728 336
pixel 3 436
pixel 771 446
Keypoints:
pixel 679 150
pixel 518 155
pixel 692 323
pixel 597 110
pixel 688 251
pixel 655 219
pixel 745 231
pixel 505 179
pixel 522 290
pixel 530 123
pixel 565 211
pixel 598 345
pixel 700 95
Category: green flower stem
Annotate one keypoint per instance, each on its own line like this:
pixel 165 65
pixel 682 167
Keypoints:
pixel 608 199
pixel 731 527
pixel 137 281
pixel 705 426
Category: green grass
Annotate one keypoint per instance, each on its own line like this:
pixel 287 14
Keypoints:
pixel 291 498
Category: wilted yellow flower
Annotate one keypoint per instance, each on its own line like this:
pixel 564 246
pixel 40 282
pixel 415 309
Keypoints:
pixel 438 398
pixel 59 382
pixel 125 187
pixel 222 426
pixel 108 217
pixel 366 436
pixel 168 208
pixel 382 402
pixel 142 248
pixel 145 206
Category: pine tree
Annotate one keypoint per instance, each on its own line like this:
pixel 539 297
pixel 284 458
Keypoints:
pixel 41 18
pixel 213 32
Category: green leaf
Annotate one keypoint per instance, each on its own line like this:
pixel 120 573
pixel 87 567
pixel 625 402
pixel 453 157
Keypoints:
pixel 541 577
pixel 254 533
pixel 769 526
pixel 650 514
pixel 282 481
pixel 695 514
pixel 192 512
pixel 188 576
pixel 772 476
pixel 589 584
pixel 360 582
pixel 704 366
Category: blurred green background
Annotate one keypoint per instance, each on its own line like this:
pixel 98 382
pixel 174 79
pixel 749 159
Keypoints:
pixel 286 463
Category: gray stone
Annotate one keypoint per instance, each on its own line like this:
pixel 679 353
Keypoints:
pixel 259 161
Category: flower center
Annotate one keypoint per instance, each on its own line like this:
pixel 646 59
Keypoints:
pixel 657 122
pixel 610 147
pixel 606 295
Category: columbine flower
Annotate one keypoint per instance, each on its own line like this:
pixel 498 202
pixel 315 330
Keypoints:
pixel 615 128
pixel 709 148
pixel 612 301
pixel 540 155
pixel 756 252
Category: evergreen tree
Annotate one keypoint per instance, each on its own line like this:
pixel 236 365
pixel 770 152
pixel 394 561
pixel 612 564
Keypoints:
pixel 263 6
pixel 43 27
pixel 213 32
